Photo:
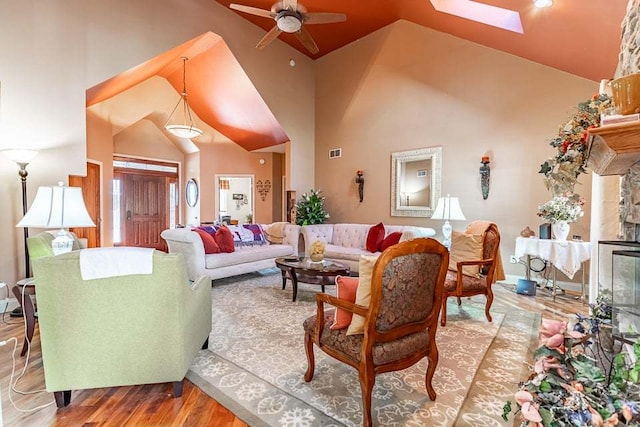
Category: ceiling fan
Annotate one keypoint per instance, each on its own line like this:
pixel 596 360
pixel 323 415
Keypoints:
pixel 290 17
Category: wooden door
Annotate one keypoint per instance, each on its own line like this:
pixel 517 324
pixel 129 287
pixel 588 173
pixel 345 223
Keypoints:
pixel 90 185
pixel 144 211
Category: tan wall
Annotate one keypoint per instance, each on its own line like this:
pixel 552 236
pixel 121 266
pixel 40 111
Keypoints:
pixel 59 49
pixel 407 87
pixel 226 158
pixel 101 151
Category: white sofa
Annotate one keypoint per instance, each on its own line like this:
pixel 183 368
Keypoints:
pixel 244 259
pixel 346 242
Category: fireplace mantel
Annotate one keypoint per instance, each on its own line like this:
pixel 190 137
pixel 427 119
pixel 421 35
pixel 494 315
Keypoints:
pixel 614 148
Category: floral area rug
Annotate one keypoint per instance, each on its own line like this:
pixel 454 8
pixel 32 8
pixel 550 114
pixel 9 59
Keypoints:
pixel 256 361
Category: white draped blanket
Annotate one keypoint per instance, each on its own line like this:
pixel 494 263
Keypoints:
pixel 98 263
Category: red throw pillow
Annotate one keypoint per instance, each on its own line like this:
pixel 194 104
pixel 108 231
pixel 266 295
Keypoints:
pixel 390 240
pixel 210 245
pixel 375 237
pixel 224 239
pixel 345 290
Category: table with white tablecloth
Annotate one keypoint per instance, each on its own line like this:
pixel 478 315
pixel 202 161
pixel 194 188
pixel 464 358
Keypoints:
pixel 566 256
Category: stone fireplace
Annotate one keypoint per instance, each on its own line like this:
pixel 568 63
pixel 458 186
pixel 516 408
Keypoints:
pixel 615 162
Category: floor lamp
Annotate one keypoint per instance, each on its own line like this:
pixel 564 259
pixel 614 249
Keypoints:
pixel 22 159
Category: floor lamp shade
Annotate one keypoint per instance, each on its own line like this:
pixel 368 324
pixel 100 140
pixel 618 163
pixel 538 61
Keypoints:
pixel 58 207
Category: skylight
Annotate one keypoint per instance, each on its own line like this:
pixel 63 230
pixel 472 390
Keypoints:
pixel 479 12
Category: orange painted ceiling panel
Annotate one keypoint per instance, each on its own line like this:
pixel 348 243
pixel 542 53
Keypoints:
pixel 219 91
pixel 579 37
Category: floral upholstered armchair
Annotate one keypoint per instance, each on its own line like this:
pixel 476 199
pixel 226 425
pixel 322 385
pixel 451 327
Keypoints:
pixel 399 324
pixel 474 275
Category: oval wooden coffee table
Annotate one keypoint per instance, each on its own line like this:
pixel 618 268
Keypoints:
pixel 316 273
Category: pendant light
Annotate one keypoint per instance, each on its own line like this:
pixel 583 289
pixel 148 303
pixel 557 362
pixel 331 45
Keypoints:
pixel 186 129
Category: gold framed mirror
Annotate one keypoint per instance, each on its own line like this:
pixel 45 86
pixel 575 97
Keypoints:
pixel 415 181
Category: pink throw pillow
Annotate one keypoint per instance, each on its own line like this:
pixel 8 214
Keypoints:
pixel 210 245
pixel 345 290
pixel 375 236
pixel 224 239
pixel 390 240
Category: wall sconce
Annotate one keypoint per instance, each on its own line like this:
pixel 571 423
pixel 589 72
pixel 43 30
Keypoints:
pixel 263 189
pixel 360 182
pixel 485 172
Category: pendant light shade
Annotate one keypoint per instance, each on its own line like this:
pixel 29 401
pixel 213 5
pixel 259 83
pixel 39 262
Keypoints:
pixel 186 128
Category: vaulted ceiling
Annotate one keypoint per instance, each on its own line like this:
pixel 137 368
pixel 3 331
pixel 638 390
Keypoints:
pixel 579 37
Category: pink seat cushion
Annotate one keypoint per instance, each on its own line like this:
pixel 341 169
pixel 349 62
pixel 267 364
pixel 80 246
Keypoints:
pixel 346 288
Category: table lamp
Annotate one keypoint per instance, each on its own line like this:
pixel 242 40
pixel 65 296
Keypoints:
pixel 448 208
pixel 58 207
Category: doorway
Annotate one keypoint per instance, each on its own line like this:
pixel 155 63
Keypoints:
pixel 145 202
pixel 234 198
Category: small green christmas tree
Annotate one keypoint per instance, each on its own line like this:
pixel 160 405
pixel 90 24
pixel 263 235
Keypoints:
pixel 310 209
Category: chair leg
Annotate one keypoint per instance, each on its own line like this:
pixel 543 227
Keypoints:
pixel 178 386
pixel 367 381
pixel 308 346
pixel 206 344
pixel 487 306
pixel 431 369
pixel 459 301
pixel 443 316
pixel 63 398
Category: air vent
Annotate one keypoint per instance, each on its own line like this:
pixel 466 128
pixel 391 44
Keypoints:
pixel 335 153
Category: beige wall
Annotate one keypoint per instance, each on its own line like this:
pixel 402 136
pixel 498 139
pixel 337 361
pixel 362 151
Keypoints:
pixel 52 52
pixel 407 87
pixel 101 151
pixel 227 158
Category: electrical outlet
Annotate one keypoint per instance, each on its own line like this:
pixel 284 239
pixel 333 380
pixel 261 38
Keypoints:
pixel 513 259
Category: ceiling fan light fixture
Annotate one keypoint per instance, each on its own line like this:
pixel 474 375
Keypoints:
pixel 187 129
pixel 288 23
pixel 542 3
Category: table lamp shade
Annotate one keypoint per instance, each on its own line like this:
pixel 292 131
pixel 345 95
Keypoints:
pixel 448 208
pixel 57 207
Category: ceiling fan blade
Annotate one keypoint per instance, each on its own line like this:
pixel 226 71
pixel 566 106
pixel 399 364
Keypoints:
pixel 306 40
pixel 290 4
pixel 269 37
pixel 252 10
pixel 323 18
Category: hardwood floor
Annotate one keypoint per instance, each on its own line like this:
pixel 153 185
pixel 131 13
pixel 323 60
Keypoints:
pixel 144 405
pixel 152 405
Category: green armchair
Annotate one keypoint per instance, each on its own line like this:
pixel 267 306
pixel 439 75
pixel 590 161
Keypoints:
pixel 121 330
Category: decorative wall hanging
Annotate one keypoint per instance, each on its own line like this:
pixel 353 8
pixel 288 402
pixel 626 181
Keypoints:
pixel 360 182
pixel 485 172
pixel 263 189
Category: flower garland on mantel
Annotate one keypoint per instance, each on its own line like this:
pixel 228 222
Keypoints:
pixel 561 171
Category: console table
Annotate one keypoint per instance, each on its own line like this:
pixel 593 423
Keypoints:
pixel 567 256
